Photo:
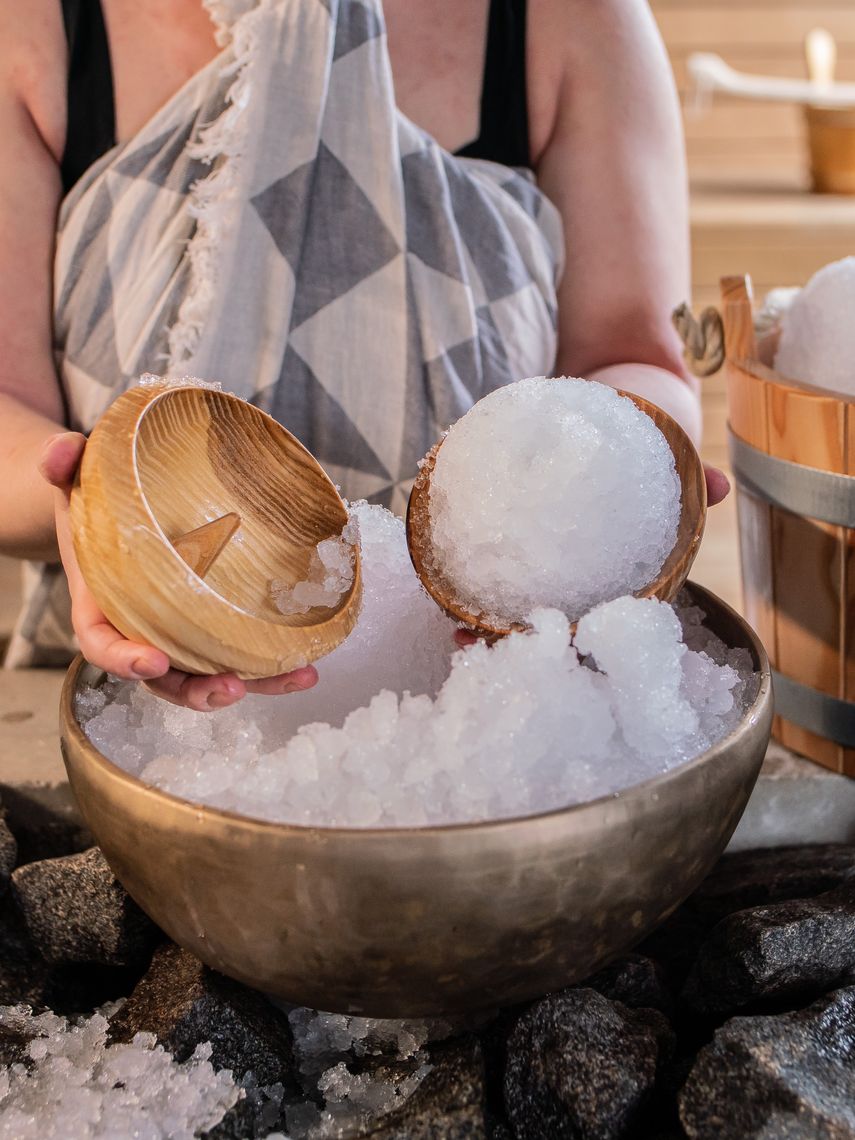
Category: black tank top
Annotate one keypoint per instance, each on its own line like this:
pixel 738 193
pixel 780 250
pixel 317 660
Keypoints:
pixel 91 129
pixel 91 132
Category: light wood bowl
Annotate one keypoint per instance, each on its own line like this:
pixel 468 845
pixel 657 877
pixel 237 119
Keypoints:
pixel 666 585
pixel 188 504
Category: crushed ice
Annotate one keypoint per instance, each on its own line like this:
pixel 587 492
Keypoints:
pixel 354 1064
pixel 556 493
pixel 403 731
pixel 328 577
pixel 817 344
pixel 73 1084
pixel 150 380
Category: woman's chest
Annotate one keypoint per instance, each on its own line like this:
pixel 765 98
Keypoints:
pixel 436 51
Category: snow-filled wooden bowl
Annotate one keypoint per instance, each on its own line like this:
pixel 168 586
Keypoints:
pixel 165 460
pixel 665 586
pixel 419 921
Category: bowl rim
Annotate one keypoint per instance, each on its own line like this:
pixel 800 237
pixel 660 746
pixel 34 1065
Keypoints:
pixel 71 726
pixel 759 370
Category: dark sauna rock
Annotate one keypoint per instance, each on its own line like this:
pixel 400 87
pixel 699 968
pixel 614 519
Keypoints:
pixel 77 911
pixel 68 989
pixel 743 880
pixel 45 821
pixel 185 1004
pixel 580 1065
pixel 789 1075
pixel 785 951
pixel 450 1102
pixel 8 855
pixel 635 981
pixel 776 874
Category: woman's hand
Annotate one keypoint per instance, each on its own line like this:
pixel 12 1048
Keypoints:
pixel 103 645
pixel 718 485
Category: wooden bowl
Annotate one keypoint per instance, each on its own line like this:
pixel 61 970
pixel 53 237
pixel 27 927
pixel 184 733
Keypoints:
pixel 666 585
pixel 166 460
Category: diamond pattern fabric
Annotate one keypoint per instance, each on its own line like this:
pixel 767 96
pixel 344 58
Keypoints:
pixel 281 228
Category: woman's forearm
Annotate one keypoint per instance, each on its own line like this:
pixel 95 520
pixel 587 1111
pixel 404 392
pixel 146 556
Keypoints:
pixel 674 395
pixel 26 501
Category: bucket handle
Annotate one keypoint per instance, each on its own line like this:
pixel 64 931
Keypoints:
pixel 713 337
pixel 702 337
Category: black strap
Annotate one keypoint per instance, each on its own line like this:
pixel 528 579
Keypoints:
pixel 91 129
pixel 503 134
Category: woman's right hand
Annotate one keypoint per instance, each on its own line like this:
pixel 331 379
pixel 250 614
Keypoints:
pixel 102 644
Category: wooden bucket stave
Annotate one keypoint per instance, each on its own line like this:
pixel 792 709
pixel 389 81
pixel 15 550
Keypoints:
pixel 831 143
pixel 793 456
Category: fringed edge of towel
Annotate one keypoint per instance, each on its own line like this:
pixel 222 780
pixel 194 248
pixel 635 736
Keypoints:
pixel 238 24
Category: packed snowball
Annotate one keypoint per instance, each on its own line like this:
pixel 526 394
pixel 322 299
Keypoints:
pixel 817 344
pixel 403 731
pixel 552 493
pixel 328 578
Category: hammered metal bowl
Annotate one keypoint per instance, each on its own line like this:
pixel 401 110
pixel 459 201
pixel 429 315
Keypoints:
pixel 422 921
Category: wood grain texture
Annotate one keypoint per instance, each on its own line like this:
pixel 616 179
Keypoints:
pixel 746 391
pixel 200 548
pixel 738 317
pixel 166 460
pixel 848 601
pixel 727 137
pixel 796 570
pixel 753 25
pixel 806 426
pixel 808 586
pixel 666 585
pixel 758 578
pixel 831 143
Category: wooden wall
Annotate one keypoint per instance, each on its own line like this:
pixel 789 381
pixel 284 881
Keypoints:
pixel 751 211
pixel 761 36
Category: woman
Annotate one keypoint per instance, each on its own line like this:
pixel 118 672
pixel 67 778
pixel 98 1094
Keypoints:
pixel 268 210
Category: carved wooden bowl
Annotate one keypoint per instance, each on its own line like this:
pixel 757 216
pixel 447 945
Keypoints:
pixel 666 585
pixel 191 506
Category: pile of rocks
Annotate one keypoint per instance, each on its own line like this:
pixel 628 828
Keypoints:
pixel 735 1019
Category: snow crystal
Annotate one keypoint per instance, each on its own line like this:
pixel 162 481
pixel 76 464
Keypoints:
pixel 552 493
pixel 403 731
pixel 817 344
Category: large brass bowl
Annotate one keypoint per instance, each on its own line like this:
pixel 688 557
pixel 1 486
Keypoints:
pixel 430 920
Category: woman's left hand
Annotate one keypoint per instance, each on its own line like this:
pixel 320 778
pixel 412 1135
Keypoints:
pixel 718 485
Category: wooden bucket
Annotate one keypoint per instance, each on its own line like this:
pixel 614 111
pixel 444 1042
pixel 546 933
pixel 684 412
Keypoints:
pixel 831 142
pixel 792 450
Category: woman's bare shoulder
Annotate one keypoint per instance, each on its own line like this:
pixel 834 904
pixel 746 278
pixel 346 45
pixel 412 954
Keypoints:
pixel 572 44
pixel 32 135
pixel 34 66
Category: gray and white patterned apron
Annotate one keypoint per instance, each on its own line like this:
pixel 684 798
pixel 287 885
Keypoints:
pixel 279 226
